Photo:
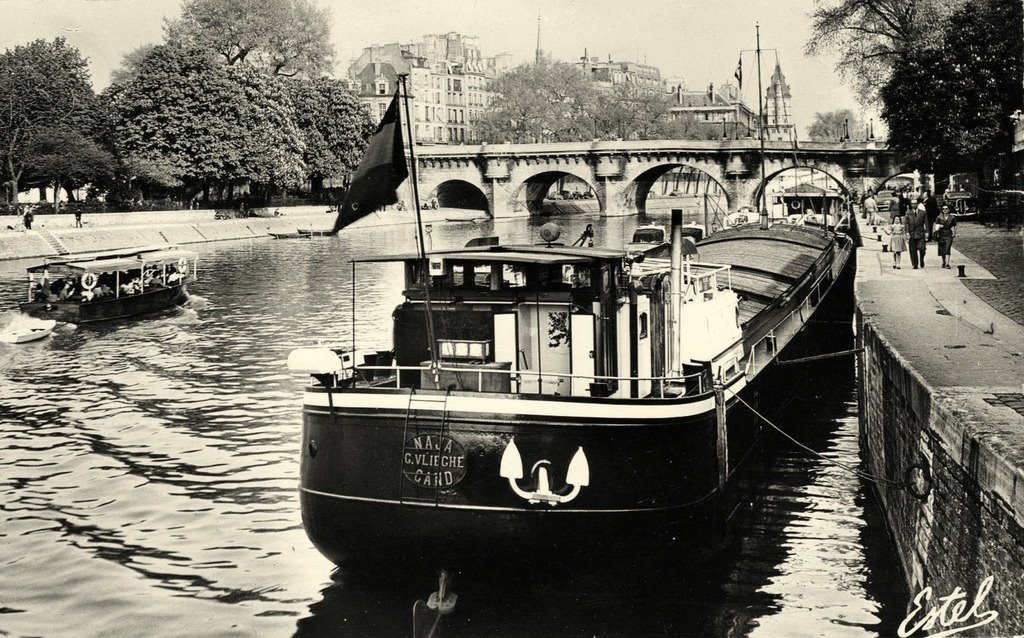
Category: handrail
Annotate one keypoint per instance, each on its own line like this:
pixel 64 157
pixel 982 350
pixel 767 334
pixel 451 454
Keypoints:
pixel 699 376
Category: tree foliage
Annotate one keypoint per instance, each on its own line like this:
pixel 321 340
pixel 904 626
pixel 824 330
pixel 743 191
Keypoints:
pixel 43 86
pixel 631 111
pixel 834 126
pixel 64 157
pixel 204 121
pixel 282 37
pixel 550 101
pixel 556 102
pixel 870 36
pixel 949 106
pixel 334 125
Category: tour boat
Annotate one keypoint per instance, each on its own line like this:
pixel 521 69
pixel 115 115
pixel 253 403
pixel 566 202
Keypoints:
pixel 535 393
pixel 109 285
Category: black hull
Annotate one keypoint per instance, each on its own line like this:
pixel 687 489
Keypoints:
pixel 652 480
pixel 107 309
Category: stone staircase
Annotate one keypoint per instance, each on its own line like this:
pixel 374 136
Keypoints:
pixel 54 243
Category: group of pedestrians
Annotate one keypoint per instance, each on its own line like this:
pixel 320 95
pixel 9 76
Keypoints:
pixel 911 226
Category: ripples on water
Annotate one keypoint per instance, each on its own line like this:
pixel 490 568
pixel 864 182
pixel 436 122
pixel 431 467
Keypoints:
pixel 149 471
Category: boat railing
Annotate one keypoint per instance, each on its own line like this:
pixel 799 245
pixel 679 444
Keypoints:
pixel 701 381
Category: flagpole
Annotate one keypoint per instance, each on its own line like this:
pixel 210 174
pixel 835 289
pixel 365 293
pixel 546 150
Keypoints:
pixel 760 113
pixel 414 176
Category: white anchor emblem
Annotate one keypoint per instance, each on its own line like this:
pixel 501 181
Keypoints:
pixel 577 476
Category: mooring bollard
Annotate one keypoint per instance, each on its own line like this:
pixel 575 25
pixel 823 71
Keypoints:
pixel 879 237
pixel 961 268
pixel 885 248
pixel 874 229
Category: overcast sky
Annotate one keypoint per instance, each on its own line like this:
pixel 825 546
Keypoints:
pixel 700 40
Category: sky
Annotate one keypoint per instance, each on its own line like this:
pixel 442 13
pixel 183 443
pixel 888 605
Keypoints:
pixel 699 40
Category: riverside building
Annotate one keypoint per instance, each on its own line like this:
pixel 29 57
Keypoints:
pixel 448 83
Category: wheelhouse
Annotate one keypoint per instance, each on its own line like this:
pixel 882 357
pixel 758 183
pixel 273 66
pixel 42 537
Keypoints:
pixel 551 320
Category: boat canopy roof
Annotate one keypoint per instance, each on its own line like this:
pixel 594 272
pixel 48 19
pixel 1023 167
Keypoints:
pixel 524 254
pixel 110 262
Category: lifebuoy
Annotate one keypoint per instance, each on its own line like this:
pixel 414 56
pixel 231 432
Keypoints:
pixel 919 486
pixel 796 204
pixel 183 266
pixel 89 280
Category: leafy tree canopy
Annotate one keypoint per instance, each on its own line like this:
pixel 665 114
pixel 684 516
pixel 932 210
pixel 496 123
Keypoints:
pixel 66 157
pixel 43 85
pixel 871 35
pixel 949 106
pixel 833 126
pixel 550 101
pixel 283 37
pixel 204 121
pixel 334 124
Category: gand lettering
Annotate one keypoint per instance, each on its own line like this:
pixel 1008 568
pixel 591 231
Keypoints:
pixel 433 461
pixel 947 611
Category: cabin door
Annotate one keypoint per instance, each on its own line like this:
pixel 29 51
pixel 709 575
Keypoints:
pixel 544 354
pixel 581 331
pixel 506 343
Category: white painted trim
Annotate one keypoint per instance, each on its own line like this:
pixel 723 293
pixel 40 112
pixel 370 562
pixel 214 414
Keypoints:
pixel 495 405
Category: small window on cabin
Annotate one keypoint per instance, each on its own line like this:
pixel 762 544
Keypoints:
pixel 642 320
pixel 512 275
pixel 482 276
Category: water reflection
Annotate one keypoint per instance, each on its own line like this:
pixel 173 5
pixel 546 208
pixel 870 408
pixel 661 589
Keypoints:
pixel 149 475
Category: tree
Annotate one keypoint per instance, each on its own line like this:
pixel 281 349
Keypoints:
pixel 334 124
pixel 630 111
pixel 43 86
pixel 206 123
pixel 948 107
pixel 548 101
pixel 283 37
pixel 66 158
pixel 688 127
pixel 834 126
pixel 870 36
pixel 131 62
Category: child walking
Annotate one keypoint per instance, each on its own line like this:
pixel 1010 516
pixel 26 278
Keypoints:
pixel 898 241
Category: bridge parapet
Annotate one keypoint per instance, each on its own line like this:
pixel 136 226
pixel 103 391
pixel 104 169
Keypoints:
pixel 513 176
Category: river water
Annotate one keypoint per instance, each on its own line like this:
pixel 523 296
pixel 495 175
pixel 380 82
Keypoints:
pixel 149 471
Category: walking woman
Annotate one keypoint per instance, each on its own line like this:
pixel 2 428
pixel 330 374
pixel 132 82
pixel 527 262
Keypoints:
pixel 898 241
pixel 945 231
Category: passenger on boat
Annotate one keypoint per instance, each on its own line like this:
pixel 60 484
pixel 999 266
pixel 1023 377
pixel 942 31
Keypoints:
pixel 102 291
pixel 67 291
pixel 173 276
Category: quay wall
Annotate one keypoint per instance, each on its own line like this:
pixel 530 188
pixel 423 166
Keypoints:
pixel 963 452
pixel 113 231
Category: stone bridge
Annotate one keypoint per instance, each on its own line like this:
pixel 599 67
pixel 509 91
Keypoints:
pixel 512 179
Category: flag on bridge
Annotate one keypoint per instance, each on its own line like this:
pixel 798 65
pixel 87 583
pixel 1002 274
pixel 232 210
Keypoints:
pixel 739 72
pixel 380 172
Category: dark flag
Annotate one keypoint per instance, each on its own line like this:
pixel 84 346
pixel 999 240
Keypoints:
pixel 739 72
pixel 380 172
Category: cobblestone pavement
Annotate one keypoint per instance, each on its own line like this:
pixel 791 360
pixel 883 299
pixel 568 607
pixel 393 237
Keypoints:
pixel 1001 252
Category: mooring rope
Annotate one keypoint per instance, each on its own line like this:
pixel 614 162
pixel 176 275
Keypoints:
pixel 864 475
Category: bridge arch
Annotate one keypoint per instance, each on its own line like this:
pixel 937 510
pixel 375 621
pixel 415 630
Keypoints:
pixel 459 193
pixel 828 171
pixel 532 194
pixel 692 183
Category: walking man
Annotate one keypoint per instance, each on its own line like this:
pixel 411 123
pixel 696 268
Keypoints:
pixel 931 207
pixel 871 208
pixel 917 229
pixel 78 216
